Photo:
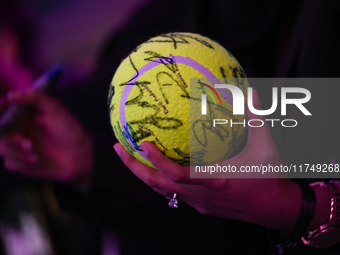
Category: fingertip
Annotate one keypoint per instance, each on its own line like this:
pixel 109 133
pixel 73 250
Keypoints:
pixel 118 148
pixel 115 145
pixel 157 158
pixel 123 154
pixel 153 153
pixel 146 146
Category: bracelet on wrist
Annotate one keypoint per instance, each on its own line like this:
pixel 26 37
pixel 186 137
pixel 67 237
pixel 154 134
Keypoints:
pixel 305 216
pixel 327 234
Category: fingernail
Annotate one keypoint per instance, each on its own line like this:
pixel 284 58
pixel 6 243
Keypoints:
pixel 145 148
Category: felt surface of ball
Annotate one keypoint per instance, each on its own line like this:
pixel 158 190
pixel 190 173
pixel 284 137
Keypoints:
pixel 155 95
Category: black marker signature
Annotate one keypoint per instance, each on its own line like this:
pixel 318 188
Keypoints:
pixel 176 38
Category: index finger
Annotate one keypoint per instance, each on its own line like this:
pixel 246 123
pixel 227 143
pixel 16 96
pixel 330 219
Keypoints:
pixel 149 176
pixel 172 170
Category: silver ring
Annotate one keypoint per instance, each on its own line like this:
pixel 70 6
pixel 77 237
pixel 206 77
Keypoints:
pixel 173 203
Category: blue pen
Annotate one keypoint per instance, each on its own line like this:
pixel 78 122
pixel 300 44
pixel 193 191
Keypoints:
pixel 13 112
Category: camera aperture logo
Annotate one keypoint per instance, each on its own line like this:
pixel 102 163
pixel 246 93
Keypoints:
pixel 238 98
pixel 204 97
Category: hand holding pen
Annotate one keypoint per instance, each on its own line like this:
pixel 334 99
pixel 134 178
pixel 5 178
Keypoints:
pixel 45 81
pixel 42 139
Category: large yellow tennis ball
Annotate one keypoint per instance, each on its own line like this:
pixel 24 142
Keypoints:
pixel 156 96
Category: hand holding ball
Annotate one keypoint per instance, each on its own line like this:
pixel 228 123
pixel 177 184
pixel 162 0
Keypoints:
pixel 156 96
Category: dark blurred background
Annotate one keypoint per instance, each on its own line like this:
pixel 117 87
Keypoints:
pixel 72 31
